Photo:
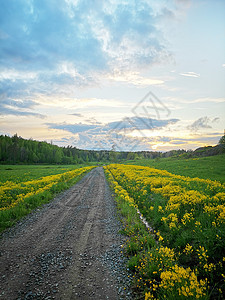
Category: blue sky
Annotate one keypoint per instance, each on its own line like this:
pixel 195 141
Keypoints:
pixel 133 75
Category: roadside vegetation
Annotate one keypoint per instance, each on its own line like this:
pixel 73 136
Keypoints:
pixel 24 188
pixel 182 255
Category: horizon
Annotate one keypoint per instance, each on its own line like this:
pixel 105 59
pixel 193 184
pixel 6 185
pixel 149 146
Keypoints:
pixel 134 151
pixel 121 75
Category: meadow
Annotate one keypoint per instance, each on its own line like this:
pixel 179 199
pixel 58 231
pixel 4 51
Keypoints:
pixel 210 167
pixel 26 187
pixel 181 254
pixel 20 173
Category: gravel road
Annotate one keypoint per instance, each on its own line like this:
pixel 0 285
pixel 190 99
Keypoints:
pixel 68 249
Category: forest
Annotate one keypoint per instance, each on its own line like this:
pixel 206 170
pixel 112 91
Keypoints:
pixel 15 149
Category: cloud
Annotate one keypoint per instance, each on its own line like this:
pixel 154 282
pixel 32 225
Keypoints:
pixel 119 133
pixel 205 100
pixel 51 50
pixel 16 101
pixel 40 34
pixel 76 115
pixel 9 111
pixel 18 108
pixel 134 78
pixel 73 128
pixel 130 124
pixel 93 121
pixel 135 42
pixel 201 123
pixel 197 100
pixel 190 74
pixel 137 123
pixel 167 13
pixel 56 46
pixel 215 120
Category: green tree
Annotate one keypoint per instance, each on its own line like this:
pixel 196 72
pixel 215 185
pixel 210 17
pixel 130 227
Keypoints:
pixel 131 156
pixel 222 141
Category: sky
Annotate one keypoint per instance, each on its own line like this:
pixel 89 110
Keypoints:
pixel 127 75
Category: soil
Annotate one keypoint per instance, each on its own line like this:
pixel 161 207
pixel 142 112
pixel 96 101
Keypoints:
pixel 68 249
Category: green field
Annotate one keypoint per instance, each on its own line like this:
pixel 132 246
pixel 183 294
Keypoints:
pixel 20 173
pixel 210 167
pixel 26 187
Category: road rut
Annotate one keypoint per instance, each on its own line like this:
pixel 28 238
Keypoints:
pixel 69 249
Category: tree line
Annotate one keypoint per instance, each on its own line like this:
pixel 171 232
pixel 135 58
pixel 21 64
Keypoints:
pixel 15 150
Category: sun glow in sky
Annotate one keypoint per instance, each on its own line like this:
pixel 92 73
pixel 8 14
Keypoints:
pixel 135 75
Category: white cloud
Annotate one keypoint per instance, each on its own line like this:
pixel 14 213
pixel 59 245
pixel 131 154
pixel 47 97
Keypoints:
pixel 13 74
pixel 203 124
pixel 78 103
pixel 134 78
pixel 207 99
pixel 197 100
pixel 190 74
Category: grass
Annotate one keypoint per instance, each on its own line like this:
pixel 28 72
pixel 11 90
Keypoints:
pixel 210 167
pixel 21 173
pixel 24 188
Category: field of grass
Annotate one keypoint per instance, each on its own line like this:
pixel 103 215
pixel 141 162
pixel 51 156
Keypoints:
pixel 24 188
pixel 211 167
pixel 20 173
pixel 183 257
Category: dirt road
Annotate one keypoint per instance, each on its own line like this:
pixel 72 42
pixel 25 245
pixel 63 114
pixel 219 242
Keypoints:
pixel 69 249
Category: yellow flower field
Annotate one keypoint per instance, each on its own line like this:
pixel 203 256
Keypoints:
pixel 188 218
pixel 13 193
pixel 18 197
